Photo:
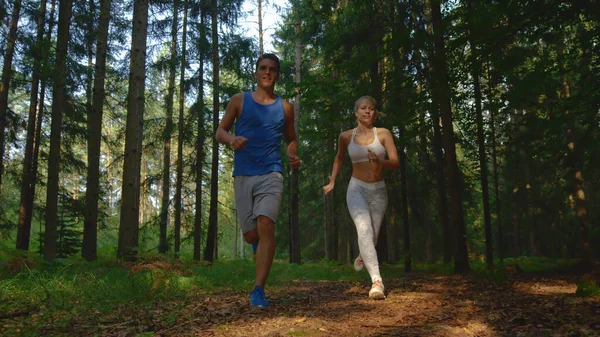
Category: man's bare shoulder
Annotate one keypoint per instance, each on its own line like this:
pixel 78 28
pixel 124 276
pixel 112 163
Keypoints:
pixel 235 103
pixel 287 105
pixel 238 98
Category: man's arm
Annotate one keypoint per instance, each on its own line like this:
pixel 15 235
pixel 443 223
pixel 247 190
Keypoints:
pixel 290 135
pixel 234 108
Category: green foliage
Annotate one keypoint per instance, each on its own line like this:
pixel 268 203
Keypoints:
pixel 587 288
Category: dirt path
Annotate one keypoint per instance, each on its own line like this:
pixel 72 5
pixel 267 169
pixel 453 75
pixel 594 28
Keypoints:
pixel 417 305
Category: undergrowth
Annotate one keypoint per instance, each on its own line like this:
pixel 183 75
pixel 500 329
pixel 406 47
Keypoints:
pixel 68 289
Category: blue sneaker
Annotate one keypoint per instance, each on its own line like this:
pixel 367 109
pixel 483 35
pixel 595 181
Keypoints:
pixel 257 297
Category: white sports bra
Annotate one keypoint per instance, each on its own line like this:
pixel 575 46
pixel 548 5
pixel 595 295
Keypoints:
pixel 359 153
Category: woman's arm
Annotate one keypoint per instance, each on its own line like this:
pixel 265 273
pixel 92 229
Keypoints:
pixel 387 140
pixel 337 162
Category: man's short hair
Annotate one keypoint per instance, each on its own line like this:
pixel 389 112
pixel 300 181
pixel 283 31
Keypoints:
pixel 269 57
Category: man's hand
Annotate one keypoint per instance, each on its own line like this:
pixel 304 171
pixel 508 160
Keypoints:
pixel 238 142
pixel 294 161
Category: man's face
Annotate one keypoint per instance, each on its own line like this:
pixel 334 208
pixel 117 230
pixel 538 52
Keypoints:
pixel 267 73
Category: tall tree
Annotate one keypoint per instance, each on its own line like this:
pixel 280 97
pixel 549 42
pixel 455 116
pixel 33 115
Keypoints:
pixel 6 77
pixel 168 132
pixel 483 171
pixel 130 191
pixel 200 140
pixel 37 139
pixel 294 225
pixel 573 156
pixel 24 231
pixel 461 258
pixel 261 48
pixel 94 121
pixel 493 108
pixel 211 237
pixel 59 96
pixel 437 142
pixel 179 179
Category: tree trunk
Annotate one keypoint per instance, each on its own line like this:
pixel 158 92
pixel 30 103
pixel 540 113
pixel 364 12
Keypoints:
pixel 179 180
pixel 211 238
pixel 6 77
pixel 404 197
pixel 168 131
pixel 24 231
pixel 130 192
pixel 437 145
pixel 483 171
pixel 90 227
pixel 261 48
pixel 294 226
pixel 58 101
pixel 494 112
pixel 461 258
pixel 200 140
pixel 574 159
pixel 331 222
pixel 39 121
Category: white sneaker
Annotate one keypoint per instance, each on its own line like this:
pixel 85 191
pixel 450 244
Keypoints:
pixel 376 291
pixel 358 263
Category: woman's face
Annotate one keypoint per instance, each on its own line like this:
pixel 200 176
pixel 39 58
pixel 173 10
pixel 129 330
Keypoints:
pixel 366 111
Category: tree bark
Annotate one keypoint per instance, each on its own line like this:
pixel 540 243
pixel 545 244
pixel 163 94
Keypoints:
pixel 493 113
pixel 130 192
pixel 483 170
pixel 573 158
pixel 58 102
pixel 24 230
pixel 404 198
pixel 90 227
pixel 261 48
pixel 461 258
pixel 200 140
pixel 294 225
pixel 179 179
pixel 6 77
pixel 437 144
pixel 211 238
pixel 168 132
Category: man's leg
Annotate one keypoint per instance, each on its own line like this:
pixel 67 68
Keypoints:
pixel 266 249
pixel 265 230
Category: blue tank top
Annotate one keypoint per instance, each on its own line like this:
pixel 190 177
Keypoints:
pixel 262 125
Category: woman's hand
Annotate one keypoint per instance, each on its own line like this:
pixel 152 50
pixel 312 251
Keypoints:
pixel 328 188
pixel 373 158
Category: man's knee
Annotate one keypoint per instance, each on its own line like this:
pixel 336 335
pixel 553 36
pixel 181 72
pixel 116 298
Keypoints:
pixel 251 236
pixel 265 224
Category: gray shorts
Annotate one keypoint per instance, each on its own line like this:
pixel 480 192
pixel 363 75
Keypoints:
pixel 257 195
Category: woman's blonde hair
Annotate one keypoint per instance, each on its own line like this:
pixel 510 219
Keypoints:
pixel 373 101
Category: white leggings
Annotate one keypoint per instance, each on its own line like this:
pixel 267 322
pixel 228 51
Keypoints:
pixel 367 203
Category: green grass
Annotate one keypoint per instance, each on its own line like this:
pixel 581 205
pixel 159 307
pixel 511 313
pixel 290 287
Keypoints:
pixel 40 293
pixel 587 288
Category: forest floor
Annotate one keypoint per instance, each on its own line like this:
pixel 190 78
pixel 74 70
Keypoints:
pixel 418 304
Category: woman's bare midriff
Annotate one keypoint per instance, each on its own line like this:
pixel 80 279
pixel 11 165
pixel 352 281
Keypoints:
pixel 366 172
